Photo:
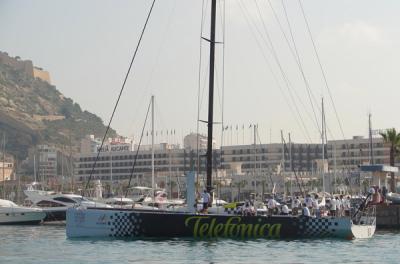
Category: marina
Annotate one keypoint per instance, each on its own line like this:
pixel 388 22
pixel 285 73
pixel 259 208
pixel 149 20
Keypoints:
pixel 179 189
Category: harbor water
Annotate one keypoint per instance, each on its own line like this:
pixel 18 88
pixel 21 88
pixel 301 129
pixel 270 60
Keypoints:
pixel 48 244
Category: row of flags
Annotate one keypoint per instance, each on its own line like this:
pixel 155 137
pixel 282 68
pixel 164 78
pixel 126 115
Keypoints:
pixel 166 132
pixel 173 132
pixel 237 127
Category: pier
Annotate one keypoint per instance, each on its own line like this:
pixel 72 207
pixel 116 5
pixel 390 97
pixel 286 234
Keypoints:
pixel 388 216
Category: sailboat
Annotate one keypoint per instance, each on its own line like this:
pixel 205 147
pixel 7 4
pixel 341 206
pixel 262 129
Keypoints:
pixel 129 223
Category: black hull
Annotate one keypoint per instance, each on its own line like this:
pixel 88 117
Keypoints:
pixel 34 222
pixel 52 216
pixel 143 224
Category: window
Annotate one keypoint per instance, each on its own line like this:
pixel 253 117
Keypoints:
pixel 64 199
pixel 49 204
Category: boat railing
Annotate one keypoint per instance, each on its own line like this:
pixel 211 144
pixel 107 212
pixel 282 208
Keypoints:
pixel 367 216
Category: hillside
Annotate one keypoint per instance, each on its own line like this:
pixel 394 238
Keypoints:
pixel 35 112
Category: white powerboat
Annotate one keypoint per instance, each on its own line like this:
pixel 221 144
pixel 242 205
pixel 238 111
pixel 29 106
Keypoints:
pixel 55 204
pixel 12 214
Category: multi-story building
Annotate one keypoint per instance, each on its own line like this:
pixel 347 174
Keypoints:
pixel 267 157
pixel 254 165
pixel 47 163
pixel 6 171
pixel 90 144
pixel 117 165
pixel 348 154
pixel 172 161
pixel 190 141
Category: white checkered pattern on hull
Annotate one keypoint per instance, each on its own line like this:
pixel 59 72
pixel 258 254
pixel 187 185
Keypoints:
pixel 124 224
pixel 317 227
pixel 233 211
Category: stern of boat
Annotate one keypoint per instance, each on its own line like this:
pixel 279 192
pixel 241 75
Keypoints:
pixel 364 225
pixel 84 222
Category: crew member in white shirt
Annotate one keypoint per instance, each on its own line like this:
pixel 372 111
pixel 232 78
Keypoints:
pixel 306 211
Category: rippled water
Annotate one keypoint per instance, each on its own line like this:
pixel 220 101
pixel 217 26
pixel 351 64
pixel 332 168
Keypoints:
pixel 48 244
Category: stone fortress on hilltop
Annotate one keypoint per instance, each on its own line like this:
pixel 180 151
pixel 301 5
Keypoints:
pixel 24 65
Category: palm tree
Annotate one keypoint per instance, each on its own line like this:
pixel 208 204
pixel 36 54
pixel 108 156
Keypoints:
pixel 239 185
pixel 392 138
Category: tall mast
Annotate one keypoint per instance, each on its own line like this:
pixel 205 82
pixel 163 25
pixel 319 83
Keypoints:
pixel 34 166
pixel 255 161
pixel 211 96
pixel 4 165
pixel 290 166
pixel 283 164
pixel 152 146
pixel 370 141
pixel 323 147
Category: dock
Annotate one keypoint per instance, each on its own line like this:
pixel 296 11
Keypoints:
pixel 388 216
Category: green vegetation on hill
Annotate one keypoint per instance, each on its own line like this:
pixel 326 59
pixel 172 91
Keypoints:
pixel 35 112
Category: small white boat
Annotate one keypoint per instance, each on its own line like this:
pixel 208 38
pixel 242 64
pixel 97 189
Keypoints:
pixel 56 204
pixel 13 214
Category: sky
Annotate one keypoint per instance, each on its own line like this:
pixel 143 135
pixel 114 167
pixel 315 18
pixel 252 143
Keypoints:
pixel 87 47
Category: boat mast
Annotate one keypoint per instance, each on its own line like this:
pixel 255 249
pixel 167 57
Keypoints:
pixel 323 147
pixel 152 146
pixel 371 150
pixel 255 161
pixel 291 166
pixel 4 165
pixel 283 164
pixel 34 166
pixel 211 96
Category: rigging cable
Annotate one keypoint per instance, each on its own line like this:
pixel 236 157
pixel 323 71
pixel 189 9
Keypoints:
pixel 147 88
pixel 300 182
pixel 284 75
pixel 287 83
pixel 297 59
pixel 296 55
pixel 321 68
pixel 119 96
pixel 198 94
pixel 223 74
pixel 324 76
pixel 137 150
pixel 299 63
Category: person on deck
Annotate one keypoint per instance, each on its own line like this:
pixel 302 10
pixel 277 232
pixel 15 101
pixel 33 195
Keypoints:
pixel 315 207
pixel 285 210
pixel 206 200
pixel 338 207
pixel 346 206
pixel 305 211
pixel 308 201
pixel 333 207
pixel 271 205
pixel 296 206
